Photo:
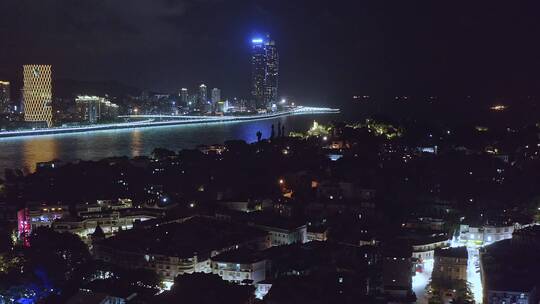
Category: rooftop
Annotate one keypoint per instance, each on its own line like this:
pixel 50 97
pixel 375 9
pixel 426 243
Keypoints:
pixel 510 266
pixel 457 252
pixel 198 235
pixel 240 256
pixel 273 220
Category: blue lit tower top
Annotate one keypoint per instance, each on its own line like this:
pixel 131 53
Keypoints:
pixel 258 71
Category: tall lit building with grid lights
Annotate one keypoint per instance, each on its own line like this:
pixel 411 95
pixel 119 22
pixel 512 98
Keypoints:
pixel 258 71
pixel 264 72
pixel 37 93
pixel 272 72
pixel 4 96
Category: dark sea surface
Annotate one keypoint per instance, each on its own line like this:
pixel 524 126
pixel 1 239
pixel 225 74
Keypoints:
pixel 25 152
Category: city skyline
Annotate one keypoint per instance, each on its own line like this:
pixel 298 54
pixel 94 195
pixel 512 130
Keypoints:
pixel 367 47
pixel 269 152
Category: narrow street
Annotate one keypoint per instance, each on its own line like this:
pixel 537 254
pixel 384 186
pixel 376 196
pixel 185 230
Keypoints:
pixel 421 279
pixel 473 274
pixel 420 282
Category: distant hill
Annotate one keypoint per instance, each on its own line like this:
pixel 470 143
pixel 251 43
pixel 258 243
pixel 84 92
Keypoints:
pixel 65 88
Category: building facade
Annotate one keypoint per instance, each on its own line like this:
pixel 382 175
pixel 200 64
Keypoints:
pixel 450 264
pixel 93 109
pixel 272 72
pixel 184 97
pixel 173 249
pixel 397 272
pixel 514 297
pixel 202 98
pixel 110 222
pixel 239 266
pixel 485 235
pixel 37 215
pixel 280 235
pixel 4 96
pixel 425 250
pixel 216 97
pixel 264 72
pixel 37 93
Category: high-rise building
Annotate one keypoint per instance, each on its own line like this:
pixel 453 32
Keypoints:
pixel 4 96
pixel 94 109
pixel 258 71
pixel 272 72
pixel 184 96
pixel 203 97
pixel 264 72
pixel 37 93
pixel 216 96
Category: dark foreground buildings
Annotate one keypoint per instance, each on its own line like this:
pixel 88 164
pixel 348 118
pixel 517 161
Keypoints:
pixel 345 213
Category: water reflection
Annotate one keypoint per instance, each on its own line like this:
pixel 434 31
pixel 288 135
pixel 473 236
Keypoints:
pixel 25 152
pixel 136 143
pixel 38 150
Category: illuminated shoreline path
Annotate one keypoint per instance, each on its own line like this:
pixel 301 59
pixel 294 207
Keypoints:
pixel 37 93
pixel 145 121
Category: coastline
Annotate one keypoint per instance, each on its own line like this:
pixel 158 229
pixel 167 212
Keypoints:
pixel 180 120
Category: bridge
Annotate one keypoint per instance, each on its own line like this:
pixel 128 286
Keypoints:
pixel 297 110
pixel 163 120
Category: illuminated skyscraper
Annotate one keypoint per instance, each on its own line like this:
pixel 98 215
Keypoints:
pixel 37 93
pixel 272 72
pixel 184 96
pixel 4 96
pixel 258 71
pixel 203 97
pixel 216 96
pixel 264 72
pixel 94 109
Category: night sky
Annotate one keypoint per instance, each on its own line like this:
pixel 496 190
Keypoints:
pixel 327 48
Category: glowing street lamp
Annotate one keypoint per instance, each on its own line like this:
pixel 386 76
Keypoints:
pixel 281 181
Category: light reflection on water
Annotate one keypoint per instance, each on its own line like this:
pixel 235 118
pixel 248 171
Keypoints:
pixel 36 150
pixel 25 152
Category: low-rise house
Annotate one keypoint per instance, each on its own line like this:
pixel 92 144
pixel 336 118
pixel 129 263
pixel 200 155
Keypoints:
pixel 317 233
pixel 510 268
pixel 397 272
pixel 36 215
pixel 427 223
pixel 110 222
pixel 282 231
pixel 89 297
pixel 485 234
pixel 178 247
pixel 424 246
pixel 450 264
pixel 240 266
